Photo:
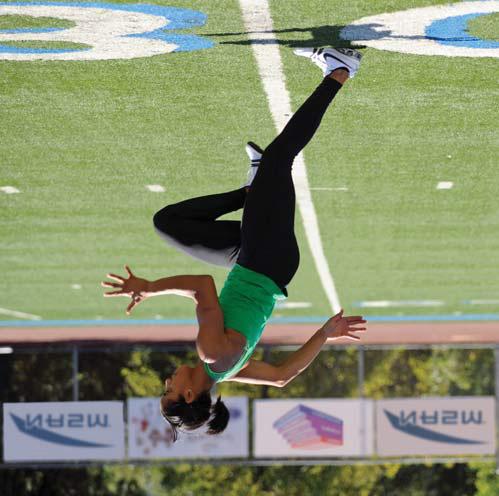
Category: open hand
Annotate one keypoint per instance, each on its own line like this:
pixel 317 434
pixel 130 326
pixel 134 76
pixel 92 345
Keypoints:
pixel 339 326
pixel 134 287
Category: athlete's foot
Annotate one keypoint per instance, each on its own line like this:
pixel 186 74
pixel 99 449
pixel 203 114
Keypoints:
pixel 330 59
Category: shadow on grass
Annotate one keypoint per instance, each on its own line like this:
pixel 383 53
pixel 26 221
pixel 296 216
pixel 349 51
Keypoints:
pixel 337 36
pixel 319 36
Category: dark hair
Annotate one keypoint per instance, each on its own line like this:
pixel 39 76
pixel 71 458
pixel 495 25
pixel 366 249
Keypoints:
pixel 191 416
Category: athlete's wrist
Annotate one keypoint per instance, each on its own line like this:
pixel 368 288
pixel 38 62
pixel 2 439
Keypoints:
pixel 147 288
pixel 322 333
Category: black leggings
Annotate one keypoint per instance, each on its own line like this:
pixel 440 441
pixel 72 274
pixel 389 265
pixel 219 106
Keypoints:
pixel 265 240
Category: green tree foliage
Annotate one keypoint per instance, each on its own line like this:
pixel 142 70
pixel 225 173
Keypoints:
pixel 140 379
pixel 487 479
pixel 428 480
pixel 36 377
pixel 433 372
pixel 100 376
pixel 66 482
pixel 388 373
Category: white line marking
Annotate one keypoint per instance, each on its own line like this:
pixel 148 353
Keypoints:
pixel 405 31
pixel 75 286
pixel 483 302
pixel 293 304
pixel 21 315
pixel 155 188
pixel 401 303
pixel 445 185
pixel 9 190
pixel 342 188
pixel 258 23
pixel 105 30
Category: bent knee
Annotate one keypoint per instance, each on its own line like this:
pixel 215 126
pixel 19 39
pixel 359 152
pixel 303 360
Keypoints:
pixel 164 219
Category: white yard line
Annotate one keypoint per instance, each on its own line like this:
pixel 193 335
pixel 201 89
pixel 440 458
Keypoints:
pixel 483 302
pixel 9 190
pixel 401 303
pixel 445 185
pixel 155 188
pixel 258 22
pixel 293 304
pixel 342 188
pixel 20 315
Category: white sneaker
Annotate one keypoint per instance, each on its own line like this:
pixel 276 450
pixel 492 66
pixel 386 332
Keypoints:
pixel 255 154
pixel 329 59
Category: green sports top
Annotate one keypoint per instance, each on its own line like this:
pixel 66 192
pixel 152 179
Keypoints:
pixel 247 300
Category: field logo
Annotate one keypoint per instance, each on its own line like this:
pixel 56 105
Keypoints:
pixel 102 31
pixel 307 428
pixel 438 30
pixel 408 423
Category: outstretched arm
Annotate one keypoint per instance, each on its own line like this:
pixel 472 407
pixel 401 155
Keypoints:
pixel 258 372
pixel 138 289
pixel 211 341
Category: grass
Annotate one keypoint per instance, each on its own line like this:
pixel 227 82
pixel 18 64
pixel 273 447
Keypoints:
pixel 82 139
pixel 29 22
pixel 485 27
pixel 47 45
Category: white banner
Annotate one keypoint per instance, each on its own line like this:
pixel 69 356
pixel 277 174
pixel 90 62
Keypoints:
pixel 150 435
pixel 435 426
pixel 67 431
pixel 312 428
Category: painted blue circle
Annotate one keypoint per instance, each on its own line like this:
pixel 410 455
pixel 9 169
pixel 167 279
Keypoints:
pixel 453 31
pixel 175 18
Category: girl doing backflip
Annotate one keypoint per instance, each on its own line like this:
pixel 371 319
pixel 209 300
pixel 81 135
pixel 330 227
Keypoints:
pixel 263 255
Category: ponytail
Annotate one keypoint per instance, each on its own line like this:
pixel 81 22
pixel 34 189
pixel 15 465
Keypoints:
pixel 220 417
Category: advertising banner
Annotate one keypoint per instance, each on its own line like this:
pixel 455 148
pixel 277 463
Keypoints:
pixel 63 431
pixel 150 435
pixel 312 428
pixel 435 426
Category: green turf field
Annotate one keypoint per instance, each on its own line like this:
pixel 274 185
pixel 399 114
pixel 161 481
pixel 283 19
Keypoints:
pixel 81 140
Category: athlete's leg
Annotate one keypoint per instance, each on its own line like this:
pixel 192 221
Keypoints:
pixel 268 243
pixel 305 122
pixel 190 226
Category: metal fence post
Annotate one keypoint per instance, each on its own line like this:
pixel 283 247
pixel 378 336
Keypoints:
pixel 360 378
pixel 496 361
pixel 75 373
